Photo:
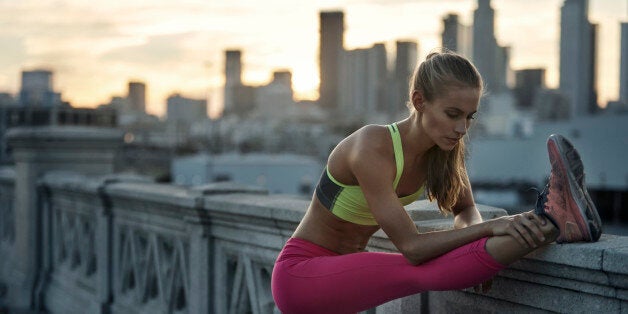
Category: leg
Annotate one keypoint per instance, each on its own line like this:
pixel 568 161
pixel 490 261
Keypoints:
pixel 506 250
pixel 356 282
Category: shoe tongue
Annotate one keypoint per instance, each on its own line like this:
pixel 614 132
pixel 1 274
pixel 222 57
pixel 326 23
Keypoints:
pixel 541 198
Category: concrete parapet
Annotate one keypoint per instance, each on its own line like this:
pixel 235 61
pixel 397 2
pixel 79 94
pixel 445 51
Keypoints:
pixel 36 151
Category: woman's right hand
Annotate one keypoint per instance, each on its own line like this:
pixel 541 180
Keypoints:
pixel 524 227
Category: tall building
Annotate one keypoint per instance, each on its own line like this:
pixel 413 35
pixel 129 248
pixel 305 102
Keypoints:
pixel 576 56
pixel 528 82
pixel 456 36
pixel 36 89
pixel 405 62
pixel 623 72
pixel 484 43
pixel 233 79
pixel 331 47
pixel 353 85
pixel 377 76
pixel 185 110
pixel 276 99
pixel 502 67
pixel 137 97
pixel 593 106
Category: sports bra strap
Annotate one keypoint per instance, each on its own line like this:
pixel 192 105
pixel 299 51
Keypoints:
pixel 396 138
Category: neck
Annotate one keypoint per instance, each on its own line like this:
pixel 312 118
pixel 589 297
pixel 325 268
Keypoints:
pixel 415 140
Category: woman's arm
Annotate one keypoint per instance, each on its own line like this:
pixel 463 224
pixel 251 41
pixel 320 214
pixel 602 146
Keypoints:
pixel 372 163
pixel 373 166
pixel 465 212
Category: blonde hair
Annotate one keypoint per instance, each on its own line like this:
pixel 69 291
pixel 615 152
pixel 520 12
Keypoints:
pixel 446 171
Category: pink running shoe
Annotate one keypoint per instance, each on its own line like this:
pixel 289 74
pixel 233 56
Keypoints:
pixel 565 200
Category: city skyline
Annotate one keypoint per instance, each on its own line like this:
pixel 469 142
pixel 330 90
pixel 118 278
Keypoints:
pixel 95 49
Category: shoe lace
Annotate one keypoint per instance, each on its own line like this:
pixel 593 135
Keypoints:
pixel 541 199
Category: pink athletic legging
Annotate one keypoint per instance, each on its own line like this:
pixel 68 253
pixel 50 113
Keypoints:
pixel 308 278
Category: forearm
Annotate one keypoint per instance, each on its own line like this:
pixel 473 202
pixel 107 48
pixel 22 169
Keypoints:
pixel 467 217
pixel 427 246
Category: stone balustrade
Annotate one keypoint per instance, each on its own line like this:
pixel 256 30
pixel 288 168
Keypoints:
pixel 122 244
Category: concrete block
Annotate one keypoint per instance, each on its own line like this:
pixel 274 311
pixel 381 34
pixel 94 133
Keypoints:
pixel 462 302
pixel 616 261
pixel 227 188
pixel 585 255
pixel 551 298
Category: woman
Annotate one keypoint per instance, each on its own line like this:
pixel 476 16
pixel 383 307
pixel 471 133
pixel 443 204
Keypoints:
pixel 372 173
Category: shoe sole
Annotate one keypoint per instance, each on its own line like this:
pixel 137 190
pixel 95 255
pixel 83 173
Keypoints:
pixel 571 163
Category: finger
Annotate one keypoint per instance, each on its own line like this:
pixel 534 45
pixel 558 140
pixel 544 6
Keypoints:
pixel 540 219
pixel 532 224
pixel 517 235
pixel 525 233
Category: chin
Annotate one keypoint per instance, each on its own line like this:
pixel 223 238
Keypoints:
pixel 447 147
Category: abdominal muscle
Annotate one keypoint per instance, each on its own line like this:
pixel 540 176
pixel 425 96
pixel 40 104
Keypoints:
pixel 322 227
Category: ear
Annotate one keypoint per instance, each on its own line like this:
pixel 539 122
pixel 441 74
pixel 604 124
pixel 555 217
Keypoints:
pixel 418 100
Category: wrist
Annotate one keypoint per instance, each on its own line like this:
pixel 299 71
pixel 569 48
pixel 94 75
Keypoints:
pixel 488 228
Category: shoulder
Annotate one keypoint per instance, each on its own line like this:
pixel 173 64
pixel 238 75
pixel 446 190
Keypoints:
pixel 371 141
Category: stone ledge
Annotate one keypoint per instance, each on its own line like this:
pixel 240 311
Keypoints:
pixel 227 188
pixel 273 207
pixel 426 210
pixel 587 255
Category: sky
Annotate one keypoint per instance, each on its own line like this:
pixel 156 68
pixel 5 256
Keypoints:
pixel 94 47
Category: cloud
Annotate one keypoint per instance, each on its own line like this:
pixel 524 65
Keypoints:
pixel 13 51
pixel 156 49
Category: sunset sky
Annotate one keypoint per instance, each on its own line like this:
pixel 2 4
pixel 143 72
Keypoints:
pixel 95 47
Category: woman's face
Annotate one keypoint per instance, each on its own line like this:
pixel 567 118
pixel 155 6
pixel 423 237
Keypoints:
pixel 447 117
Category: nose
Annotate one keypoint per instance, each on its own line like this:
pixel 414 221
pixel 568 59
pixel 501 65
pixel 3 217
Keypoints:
pixel 461 127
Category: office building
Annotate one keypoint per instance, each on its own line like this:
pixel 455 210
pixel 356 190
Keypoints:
pixel 137 97
pixel 233 79
pixel 185 110
pixel 577 65
pixel 405 62
pixel 623 72
pixel 456 36
pixel 484 43
pixel 37 90
pixel 275 100
pixel 528 82
pixel 331 47
pixel 363 84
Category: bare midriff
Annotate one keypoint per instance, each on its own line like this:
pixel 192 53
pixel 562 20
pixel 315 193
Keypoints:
pixel 321 227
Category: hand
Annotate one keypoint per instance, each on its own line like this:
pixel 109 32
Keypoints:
pixel 525 228
pixel 484 287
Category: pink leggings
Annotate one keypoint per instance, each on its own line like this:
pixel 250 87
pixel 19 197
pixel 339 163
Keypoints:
pixel 308 278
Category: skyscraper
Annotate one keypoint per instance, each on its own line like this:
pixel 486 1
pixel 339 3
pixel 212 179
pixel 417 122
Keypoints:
pixel 576 56
pixel 456 36
pixel 233 79
pixel 377 78
pixel 363 83
pixel 137 96
pixel 484 43
pixel 181 109
pixel 405 62
pixel 36 89
pixel 623 71
pixel 331 48
pixel 527 85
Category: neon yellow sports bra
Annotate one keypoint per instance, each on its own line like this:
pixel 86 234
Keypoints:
pixel 348 202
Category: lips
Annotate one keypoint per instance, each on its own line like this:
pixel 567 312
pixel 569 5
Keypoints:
pixel 453 140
